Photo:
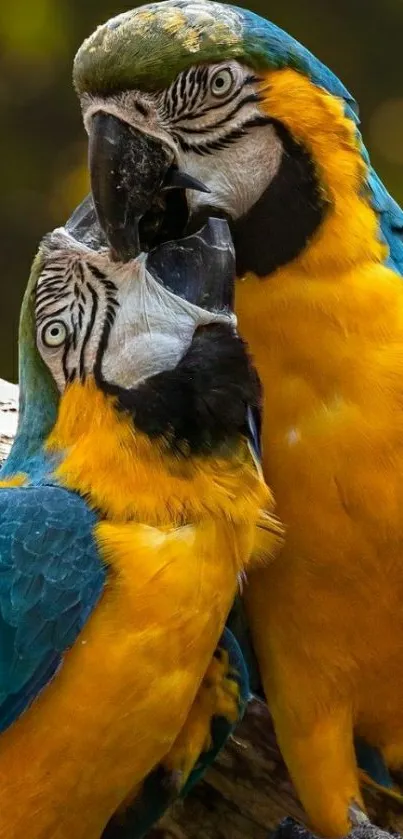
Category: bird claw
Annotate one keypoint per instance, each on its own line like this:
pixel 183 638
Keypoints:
pixel 173 781
pixel 356 814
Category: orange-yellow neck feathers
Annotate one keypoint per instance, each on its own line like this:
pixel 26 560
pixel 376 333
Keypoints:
pixel 325 330
pixel 316 324
pixel 127 476
pixel 349 233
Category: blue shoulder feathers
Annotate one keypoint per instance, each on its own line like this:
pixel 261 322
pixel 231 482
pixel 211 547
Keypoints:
pixel 51 577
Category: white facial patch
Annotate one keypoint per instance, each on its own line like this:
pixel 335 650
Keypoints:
pixel 74 299
pixel 236 176
pixel 90 309
pixel 153 327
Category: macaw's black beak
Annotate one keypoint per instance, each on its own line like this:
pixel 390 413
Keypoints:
pixel 132 173
pixel 200 268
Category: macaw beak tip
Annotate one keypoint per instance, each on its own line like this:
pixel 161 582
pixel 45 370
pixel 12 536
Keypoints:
pixel 177 179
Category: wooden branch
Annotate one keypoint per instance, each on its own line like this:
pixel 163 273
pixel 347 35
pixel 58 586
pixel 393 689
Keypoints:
pixel 8 416
pixel 248 790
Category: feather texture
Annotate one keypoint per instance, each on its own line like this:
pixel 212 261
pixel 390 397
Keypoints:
pixel 160 562
pixel 50 580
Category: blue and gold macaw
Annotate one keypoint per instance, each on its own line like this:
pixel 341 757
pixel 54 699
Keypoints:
pixel 128 509
pixel 272 134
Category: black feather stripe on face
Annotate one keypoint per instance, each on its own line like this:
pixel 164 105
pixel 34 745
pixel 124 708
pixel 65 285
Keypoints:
pixel 222 140
pixel 187 100
pixel 250 98
pixel 71 291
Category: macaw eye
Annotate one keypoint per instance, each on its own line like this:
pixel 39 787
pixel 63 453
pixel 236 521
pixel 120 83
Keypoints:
pixel 54 334
pixel 221 82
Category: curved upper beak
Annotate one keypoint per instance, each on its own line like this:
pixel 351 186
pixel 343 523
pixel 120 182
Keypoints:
pixel 129 169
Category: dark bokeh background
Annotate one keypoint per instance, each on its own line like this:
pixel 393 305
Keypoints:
pixel 43 146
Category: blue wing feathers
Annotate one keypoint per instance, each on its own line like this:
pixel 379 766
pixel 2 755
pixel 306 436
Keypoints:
pixel 51 577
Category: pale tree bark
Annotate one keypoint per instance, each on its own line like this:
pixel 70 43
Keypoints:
pixel 247 791
pixel 8 416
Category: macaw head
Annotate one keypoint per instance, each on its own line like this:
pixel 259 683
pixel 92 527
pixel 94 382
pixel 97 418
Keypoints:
pixel 123 322
pixel 121 326
pixel 194 107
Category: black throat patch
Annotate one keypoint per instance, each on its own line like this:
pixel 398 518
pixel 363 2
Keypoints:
pixel 284 219
pixel 279 226
pixel 203 405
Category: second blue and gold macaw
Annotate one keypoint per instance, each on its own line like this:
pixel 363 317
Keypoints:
pixel 128 508
pixel 241 107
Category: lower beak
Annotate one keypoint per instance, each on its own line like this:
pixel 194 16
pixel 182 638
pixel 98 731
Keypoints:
pixel 127 170
pixel 130 171
pixel 200 268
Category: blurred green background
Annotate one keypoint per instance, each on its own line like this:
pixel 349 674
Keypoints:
pixel 43 145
